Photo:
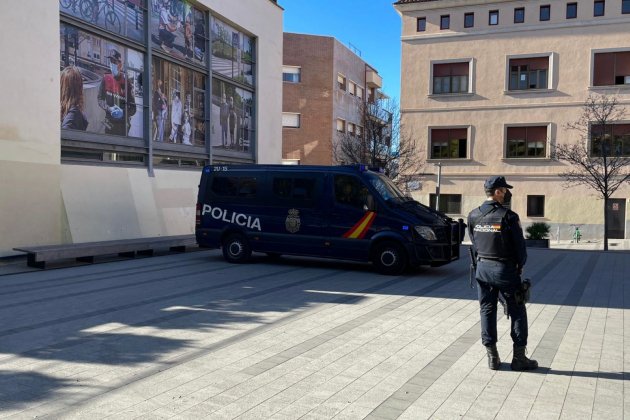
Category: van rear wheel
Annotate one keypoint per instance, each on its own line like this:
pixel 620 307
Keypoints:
pixel 236 248
pixel 390 258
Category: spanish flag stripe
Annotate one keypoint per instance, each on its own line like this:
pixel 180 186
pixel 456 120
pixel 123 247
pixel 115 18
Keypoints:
pixel 356 230
pixel 367 227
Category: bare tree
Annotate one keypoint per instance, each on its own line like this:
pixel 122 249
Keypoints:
pixel 378 139
pixel 598 159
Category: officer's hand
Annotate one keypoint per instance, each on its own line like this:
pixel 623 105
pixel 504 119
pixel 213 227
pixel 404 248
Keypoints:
pixel 116 112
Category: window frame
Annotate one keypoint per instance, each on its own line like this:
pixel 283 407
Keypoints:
pixel 625 141
pixel 342 85
pixel 547 8
pixel 535 206
pixel 469 15
pixel 625 7
pixel 546 143
pixel 343 125
pixel 299 119
pixel 572 14
pixel 551 69
pixel 421 24
pixel 445 22
pixel 299 74
pixel 470 81
pixel 603 8
pixel 595 52
pixel 432 158
pixel 447 201
pixel 518 10
pixel 491 14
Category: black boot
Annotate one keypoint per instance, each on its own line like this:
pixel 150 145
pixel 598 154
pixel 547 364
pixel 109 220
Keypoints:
pixel 493 357
pixel 520 360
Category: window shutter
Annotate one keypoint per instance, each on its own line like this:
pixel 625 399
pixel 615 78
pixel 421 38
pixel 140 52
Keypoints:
pixel 604 69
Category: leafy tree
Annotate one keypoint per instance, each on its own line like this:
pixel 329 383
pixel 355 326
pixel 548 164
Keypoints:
pixel 381 141
pixel 600 159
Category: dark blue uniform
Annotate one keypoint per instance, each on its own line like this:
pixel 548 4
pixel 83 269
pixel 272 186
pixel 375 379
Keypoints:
pixel 499 246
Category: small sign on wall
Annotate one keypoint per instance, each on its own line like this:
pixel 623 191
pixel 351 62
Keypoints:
pixel 615 206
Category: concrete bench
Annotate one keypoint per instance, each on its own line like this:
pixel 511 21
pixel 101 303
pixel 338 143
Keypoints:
pixel 37 256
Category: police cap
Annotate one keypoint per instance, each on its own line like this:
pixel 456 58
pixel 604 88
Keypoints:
pixel 496 182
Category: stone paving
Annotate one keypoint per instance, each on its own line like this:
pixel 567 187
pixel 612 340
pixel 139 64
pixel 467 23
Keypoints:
pixel 189 336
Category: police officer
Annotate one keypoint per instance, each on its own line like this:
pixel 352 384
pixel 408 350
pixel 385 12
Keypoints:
pixel 499 248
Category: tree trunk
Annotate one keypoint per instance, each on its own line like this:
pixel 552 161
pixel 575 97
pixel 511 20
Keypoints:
pixel 605 223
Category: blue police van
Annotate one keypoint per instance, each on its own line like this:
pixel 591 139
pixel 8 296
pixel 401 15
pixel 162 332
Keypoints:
pixel 345 212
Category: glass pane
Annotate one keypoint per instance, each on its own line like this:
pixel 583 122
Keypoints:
pixel 437 85
pixel 446 85
pixel 542 79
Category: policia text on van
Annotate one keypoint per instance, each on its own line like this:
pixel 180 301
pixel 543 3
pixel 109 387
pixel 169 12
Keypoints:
pixel 344 212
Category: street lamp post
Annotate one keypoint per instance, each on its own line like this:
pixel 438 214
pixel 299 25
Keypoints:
pixel 437 187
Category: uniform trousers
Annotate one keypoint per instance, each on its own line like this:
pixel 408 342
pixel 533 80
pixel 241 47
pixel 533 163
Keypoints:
pixel 494 277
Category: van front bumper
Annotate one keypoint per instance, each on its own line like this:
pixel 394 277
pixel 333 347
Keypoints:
pixel 440 252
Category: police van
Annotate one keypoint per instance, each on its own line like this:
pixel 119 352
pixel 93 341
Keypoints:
pixel 344 212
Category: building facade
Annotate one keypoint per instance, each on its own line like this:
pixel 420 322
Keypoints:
pixel 111 109
pixel 324 83
pixel 488 86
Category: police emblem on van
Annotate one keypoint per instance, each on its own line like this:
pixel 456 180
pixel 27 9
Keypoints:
pixel 293 221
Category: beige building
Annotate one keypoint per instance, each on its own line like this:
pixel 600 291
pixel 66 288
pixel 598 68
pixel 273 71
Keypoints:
pixel 323 83
pixel 488 86
pixel 150 92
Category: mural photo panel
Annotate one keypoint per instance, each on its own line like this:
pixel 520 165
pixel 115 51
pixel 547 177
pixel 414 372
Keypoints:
pixel 178 96
pixel 232 117
pixel 232 53
pixel 101 85
pixel 122 17
pixel 179 30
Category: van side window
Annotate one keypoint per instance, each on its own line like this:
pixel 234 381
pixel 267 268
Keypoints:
pixel 301 191
pixel 350 191
pixel 232 186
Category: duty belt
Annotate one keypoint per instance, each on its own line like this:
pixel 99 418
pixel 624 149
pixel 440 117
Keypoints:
pixel 496 259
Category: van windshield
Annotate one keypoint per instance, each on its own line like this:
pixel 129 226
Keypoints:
pixel 385 187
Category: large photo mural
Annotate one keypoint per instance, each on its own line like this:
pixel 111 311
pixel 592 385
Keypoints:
pixel 101 85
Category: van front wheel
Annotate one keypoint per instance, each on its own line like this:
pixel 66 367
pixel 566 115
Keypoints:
pixel 236 249
pixel 389 258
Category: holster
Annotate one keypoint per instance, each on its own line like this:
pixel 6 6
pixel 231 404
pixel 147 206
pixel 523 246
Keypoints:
pixel 523 292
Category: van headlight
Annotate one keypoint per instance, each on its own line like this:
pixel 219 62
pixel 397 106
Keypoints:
pixel 426 233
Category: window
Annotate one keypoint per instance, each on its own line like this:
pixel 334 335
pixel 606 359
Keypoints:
pixel 571 10
pixel 449 203
pixel 341 125
pixel 234 186
pixel 535 206
pixel 350 191
pixel 493 17
pixel 545 13
pixel 450 78
pixel 291 74
pixel 625 6
pixel 445 21
pixel 526 142
pixel 359 92
pixel 614 140
pixel 352 88
pixel 290 188
pixel 358 130
pixel 469 20
pixel 341 81
pixel 529 73
pixel 449 143
pixel 290 120
pixel 519 15
pixel 351 129
pixel 599 8
pixel 421 24
pixel 611 68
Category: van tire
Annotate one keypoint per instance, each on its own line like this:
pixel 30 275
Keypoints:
pixel 389 258
pixel 236 249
